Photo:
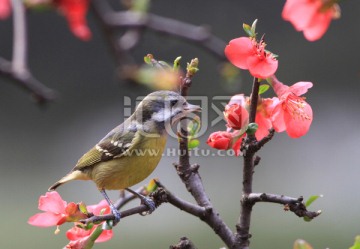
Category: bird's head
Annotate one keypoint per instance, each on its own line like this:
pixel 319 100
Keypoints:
pixel 163 107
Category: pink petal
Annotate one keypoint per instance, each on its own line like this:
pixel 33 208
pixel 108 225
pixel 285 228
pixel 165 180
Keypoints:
pixel 104 236
pixel 76 233
pixel 296 126
pixel 300 12
pixel 96 209
pixel 279 87
pixel 5 8
pixel 52 202
pixel 319 25
pixel 262 68
pixel 44 219
pixel 264 126
pixel 239 50
pixel 300 88
pixel 277 118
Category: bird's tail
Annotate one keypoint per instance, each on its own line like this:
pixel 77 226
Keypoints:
pixel 74 175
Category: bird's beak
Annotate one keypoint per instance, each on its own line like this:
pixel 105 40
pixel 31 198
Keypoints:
pixel 192 108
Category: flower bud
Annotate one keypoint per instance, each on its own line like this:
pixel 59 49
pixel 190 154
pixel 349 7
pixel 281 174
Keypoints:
pixel 220 140
pixel 236 116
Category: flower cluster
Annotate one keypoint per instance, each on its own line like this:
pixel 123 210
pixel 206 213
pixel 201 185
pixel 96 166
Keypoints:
pixel 312 17
pixel 288 111
pixel 57 212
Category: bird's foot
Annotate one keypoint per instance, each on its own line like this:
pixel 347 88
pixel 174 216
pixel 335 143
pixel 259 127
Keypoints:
pixel 116 213
pixel 149 203
pixel 144 200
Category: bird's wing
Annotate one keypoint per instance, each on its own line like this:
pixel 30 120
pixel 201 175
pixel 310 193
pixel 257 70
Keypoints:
pixel 113 145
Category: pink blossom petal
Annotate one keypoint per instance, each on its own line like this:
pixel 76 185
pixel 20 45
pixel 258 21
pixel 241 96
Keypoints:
pixel 262 68
pixel 104 236
pixel 5 8
pixel 264 126
pixel 300 88
pixel 319 25
pixel 278 118
pixel 300 12
pixel 239 50
pixel 77 233
pixel 44 219
pixel 52 202
pixel 296 126
pixel 279 87
pixel 96 209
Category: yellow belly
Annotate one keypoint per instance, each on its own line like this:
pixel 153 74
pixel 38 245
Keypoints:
pixel 129 169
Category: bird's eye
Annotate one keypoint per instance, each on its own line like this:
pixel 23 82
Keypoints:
pixel 173 102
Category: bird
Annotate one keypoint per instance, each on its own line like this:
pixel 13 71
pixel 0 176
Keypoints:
pixel 131 151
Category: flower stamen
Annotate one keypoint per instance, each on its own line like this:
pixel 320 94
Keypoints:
pixel 295 106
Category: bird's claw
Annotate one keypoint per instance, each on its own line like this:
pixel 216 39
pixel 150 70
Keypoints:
pixel 149 203
pixel 117 215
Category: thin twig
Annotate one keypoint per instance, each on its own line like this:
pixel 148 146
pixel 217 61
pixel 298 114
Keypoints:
pixel 19 58
pixel 295 205
pixel 116 21
pixel 17 70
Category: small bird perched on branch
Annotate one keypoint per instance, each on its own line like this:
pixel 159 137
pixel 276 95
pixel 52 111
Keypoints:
pixel 132 150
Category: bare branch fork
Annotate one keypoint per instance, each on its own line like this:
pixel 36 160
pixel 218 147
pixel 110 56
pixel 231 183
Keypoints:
pixel 17 69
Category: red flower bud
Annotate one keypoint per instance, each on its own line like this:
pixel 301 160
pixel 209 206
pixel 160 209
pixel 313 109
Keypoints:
pixel 236 116
pixel 220 140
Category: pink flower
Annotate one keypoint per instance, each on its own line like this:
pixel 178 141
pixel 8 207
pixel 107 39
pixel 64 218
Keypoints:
pixel 220 140
pixel 57 211
pixel 237 145
pixel 236 116
pixel 312 17
pixel 291 113
pixel 75 12
pixel 5 8
pixel 83 243
pixel 246 53
pixel 81 235
pixel 263 116
pixel 263 113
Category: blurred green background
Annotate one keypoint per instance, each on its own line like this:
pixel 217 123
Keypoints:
pixel 39 145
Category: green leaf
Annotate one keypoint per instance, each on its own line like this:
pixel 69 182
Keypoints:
pixel 148 59
pixel 312 199
pixel 140 5
pixel 194 126
pixel 177 63
pixel 247 29
pixel 356 243
pixel 301 244
pixel 263 88
pixel 82 208
pixel 307 219
pixel 193 143
pixel 253 28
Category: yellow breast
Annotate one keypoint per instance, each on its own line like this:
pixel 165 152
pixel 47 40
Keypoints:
pixel 133 167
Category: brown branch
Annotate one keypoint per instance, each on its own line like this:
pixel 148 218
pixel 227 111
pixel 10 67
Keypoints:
pixel 17 70
pixel 184 243
pixel 113 22
pixel 41 93
pixel 183 205
pixel 295 205
pixel 243 225
pixel 191 178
